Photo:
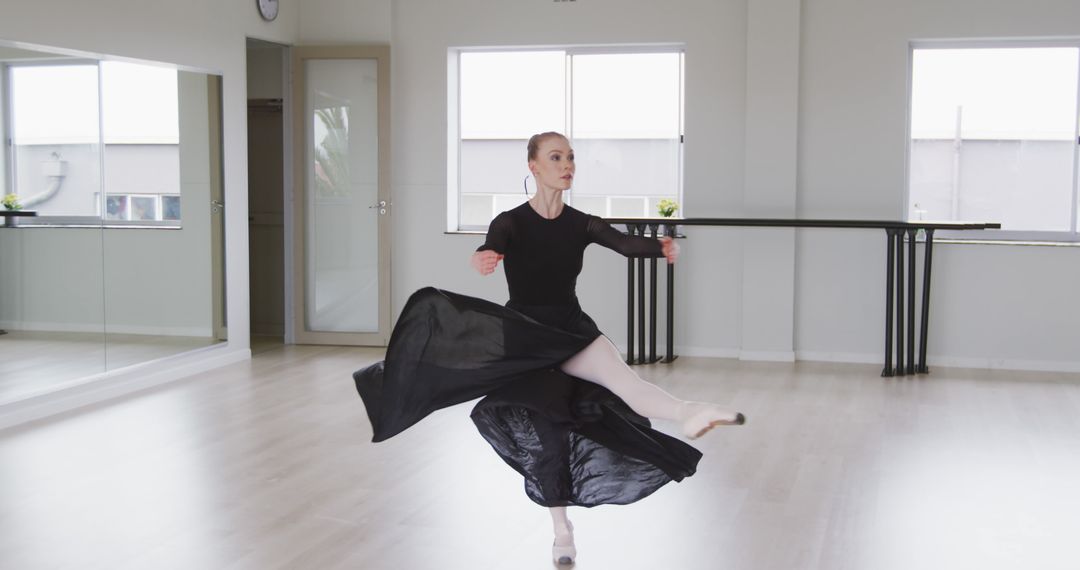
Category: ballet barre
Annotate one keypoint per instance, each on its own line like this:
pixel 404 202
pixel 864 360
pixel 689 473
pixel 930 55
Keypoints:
pixel 895 232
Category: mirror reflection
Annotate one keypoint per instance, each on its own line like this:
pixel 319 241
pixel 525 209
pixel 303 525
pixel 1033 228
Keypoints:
pixel 111 250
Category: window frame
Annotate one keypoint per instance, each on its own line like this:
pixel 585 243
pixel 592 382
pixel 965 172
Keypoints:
pixel 454 153
pixel 1003 235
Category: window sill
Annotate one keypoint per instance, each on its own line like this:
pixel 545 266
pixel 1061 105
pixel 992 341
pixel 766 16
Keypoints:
pixel 39 224
pixel 465 232
pixel 31 219
pixel 484 233
pixel 1025 243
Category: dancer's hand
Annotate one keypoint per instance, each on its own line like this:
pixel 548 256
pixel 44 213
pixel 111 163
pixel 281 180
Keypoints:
pixel 484 262
pixel 670 249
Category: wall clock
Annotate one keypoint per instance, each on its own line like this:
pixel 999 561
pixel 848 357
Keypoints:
pixel 268 9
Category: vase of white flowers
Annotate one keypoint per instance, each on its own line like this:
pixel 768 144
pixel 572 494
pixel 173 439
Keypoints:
pixel 667 208
pixel 11 202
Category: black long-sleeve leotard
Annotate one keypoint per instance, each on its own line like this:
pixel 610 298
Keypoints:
pixel 542 257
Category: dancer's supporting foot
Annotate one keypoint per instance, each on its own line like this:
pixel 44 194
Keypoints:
pixel 601 363
pixel 563 551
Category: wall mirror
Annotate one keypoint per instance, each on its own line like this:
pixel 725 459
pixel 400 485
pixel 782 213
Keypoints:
pixel 116 256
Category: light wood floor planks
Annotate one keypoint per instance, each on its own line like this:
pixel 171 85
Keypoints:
pixel 267 464
pixel 36 361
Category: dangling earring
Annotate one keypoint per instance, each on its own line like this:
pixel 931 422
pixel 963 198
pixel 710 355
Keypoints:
pixel 525 183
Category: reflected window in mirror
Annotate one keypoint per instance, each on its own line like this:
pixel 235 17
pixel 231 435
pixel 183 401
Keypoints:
pixel 80 126
pixel 142 207
pixel 97 146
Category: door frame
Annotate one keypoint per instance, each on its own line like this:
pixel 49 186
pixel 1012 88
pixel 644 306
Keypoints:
pixel 219 318
pixel 298 54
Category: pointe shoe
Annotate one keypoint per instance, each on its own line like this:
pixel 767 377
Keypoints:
pixel 697 423
pixel 564 554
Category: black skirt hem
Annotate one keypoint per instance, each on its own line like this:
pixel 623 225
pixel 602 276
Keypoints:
pixel 574 442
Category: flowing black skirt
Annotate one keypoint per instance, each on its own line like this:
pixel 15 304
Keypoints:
pixel 574 442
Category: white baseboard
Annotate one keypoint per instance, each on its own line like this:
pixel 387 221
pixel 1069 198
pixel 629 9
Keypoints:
pixel 692 351
pixel 116 383
pixel 749 355
pixel 933 360
pixel 706 352
pixel 198 332
pixel 201 332
pixel 1002 364
pixel 875 358
pixel 767 355
pixel 51 327
pixel 848 357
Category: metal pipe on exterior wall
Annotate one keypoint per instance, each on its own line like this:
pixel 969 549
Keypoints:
pixel 957 146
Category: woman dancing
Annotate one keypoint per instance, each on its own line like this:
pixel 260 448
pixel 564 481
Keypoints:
pixel 560 407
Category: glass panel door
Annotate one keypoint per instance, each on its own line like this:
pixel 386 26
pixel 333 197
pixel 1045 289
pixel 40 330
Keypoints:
pixel 343 205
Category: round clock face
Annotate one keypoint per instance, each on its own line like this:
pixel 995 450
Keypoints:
pixel 268 9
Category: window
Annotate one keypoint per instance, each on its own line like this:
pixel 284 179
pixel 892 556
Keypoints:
pixel 994 137
pixel 142 207
pixel 621 110
pixel 78 127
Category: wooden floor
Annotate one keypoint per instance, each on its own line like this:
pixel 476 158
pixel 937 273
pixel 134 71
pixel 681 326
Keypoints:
pixel 34 361
pixel 267 464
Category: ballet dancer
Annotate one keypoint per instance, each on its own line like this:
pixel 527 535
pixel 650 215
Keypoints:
pixel 559 405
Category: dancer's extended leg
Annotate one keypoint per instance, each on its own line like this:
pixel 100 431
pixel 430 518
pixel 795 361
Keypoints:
pixel 601 363
pixel 563 550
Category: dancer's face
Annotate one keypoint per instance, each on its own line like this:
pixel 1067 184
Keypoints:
pixel 553 166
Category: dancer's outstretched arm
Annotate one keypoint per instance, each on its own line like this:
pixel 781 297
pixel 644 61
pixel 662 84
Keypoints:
pixel 602 233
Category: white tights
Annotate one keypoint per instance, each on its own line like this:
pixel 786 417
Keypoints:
pixel 601 363
pixel 564 531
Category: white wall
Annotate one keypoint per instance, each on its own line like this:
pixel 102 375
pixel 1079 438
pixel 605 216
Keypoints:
pixel 345 22
pixel 1001 306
